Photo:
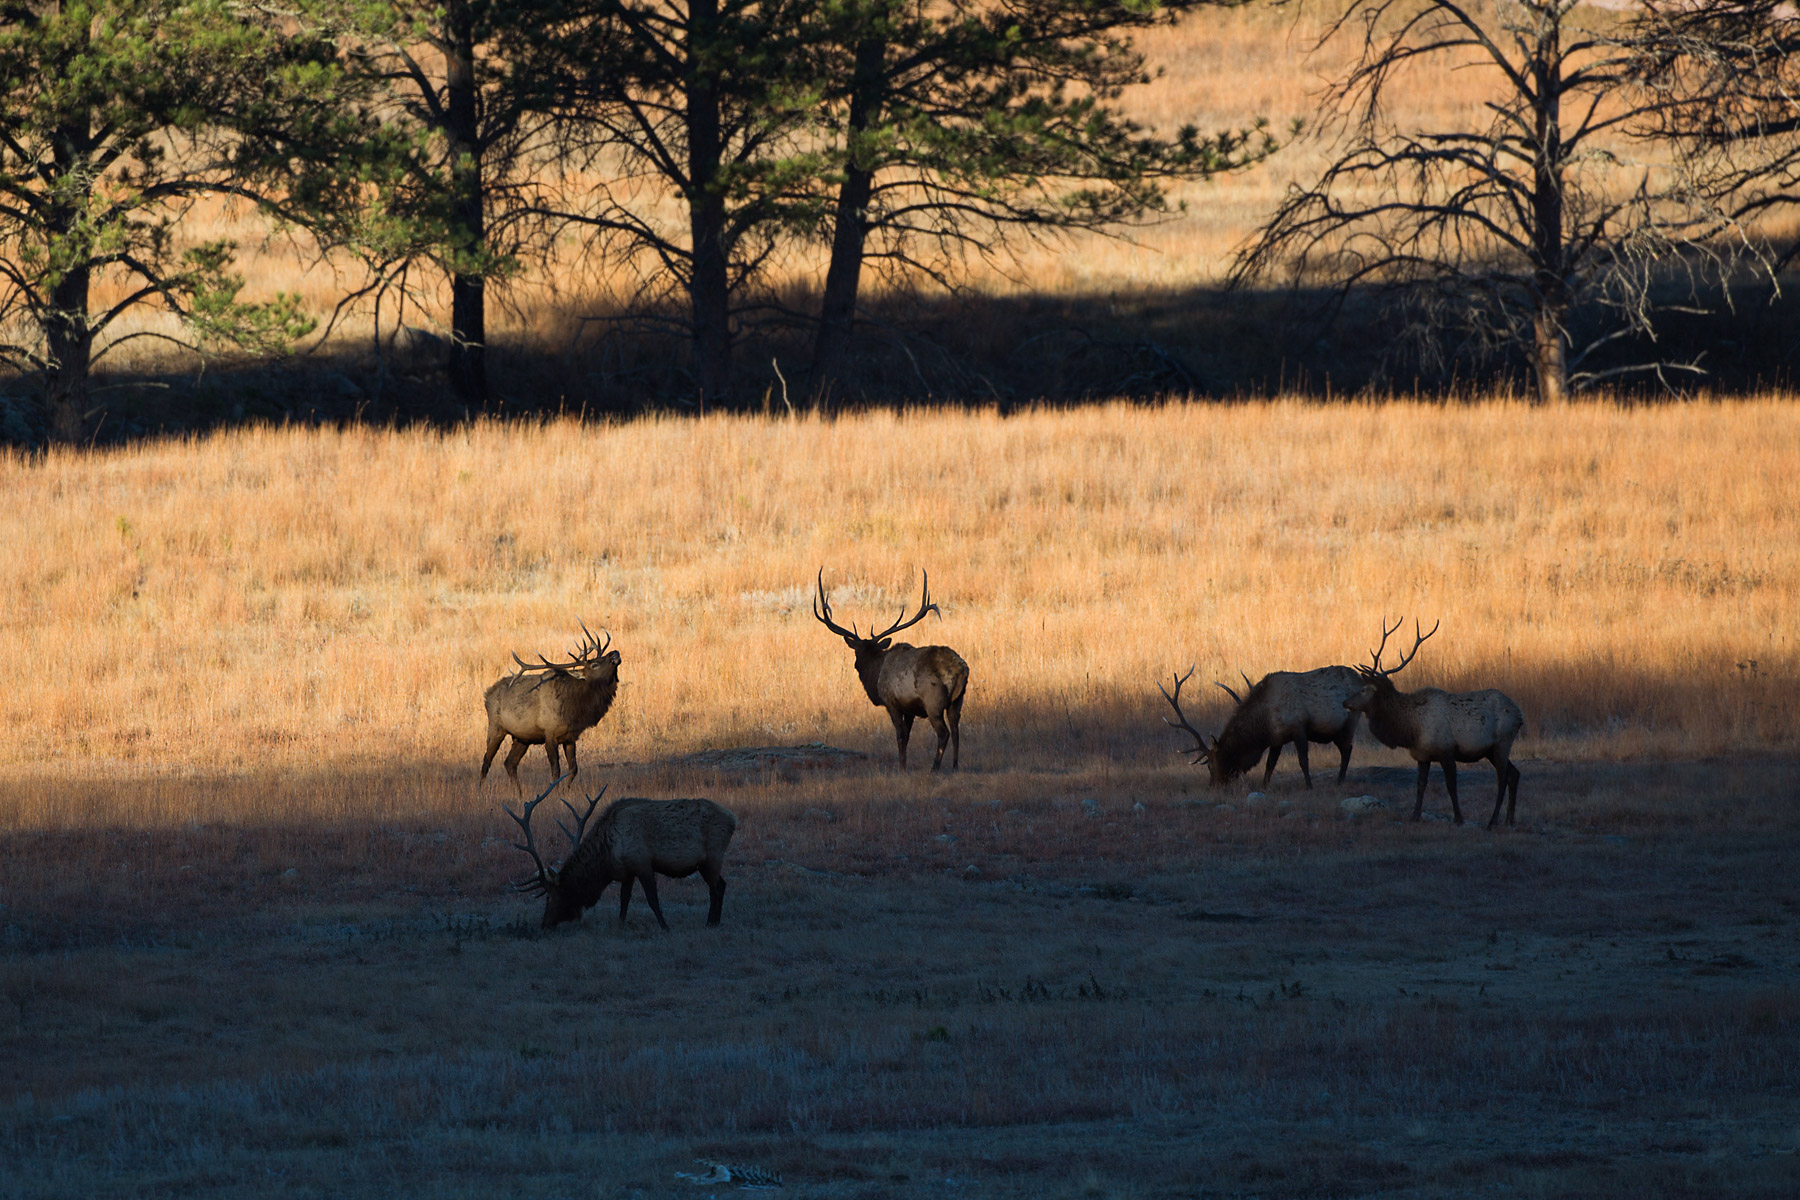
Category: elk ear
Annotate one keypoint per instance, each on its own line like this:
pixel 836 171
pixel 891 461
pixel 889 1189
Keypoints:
pixel 885 643
pixel 849 641
pixel 613 658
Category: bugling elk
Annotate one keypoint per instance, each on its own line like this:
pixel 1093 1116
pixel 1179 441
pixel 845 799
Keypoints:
pixel 635 840
pixel 1441 727
pixel 909 681
pixel 550 704
pixel 1285 706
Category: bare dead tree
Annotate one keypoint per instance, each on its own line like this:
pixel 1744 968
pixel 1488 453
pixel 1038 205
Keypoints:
pixel 1505 228
pixel 1727 74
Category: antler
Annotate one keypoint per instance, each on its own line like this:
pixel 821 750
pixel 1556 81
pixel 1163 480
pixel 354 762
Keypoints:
pixel 546 878
pixel 1248 686
pixel 1375 655
pixel 581 820
pixel 589 650
pixel 825 617
pixel 925 606
pixel 1200 752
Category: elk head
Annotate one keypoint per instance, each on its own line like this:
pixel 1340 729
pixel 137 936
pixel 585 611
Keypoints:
pixel 1223 763
pixel 869 650
pixel 561 903
pixel 591 660
pixel 1379 680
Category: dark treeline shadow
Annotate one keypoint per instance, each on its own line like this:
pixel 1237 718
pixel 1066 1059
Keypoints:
pixel 969 350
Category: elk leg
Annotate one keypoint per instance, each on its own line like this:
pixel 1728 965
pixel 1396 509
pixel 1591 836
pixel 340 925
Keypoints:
pixel 1300 749
pixel 514 757
pixel 624 897
pixel 555 760
pixel 1346 743
pixel 903 723
pixel 954 714
pixel 715 888
pixel 496 735
pixel 569 749
pixel 648 879
pixel 1450 786
pixel 1501 767
pixel 1424 775
pixel 1269 771
pixel 943 731
pixel 1512 783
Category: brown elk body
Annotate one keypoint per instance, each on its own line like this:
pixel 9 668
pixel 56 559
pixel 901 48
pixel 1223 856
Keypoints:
pixel 635 840
pixel 1442 727
pixel 550 705
pixel 909 681
pixel 1285 706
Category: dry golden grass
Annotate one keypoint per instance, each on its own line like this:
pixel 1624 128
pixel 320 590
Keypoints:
pixel 268 602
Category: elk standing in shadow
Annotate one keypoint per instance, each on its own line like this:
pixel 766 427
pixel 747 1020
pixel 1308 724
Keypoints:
pixel 909 681
pixel 635 840
pixel 550 705
pixel 1442 727
pixel 1286 706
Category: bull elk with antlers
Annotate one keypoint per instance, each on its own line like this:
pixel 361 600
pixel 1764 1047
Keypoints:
pixel 635 840
pixel 1286 706
pixel 1441 727
pixel 909 681
pixel 550 704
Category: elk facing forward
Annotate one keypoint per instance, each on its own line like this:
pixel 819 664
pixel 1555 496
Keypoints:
pixel 1286 706
pixel 1442 727
pixel 636 839
pixel 550 705
pixel 909 681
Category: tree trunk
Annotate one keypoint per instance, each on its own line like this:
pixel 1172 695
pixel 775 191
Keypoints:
pixel 468 284
pixel 1550 256
pixel 68 337
pixel 1549 357
pixel 71 346
pixel 843 277
pixel 709 285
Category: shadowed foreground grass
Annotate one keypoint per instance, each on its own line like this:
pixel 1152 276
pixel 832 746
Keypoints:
pixel 1051 993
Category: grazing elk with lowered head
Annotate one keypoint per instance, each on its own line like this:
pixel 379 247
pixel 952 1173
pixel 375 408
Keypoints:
pixel 1286 706
pixel 635 840
pixel 550 704
pixel 909 681
pixel 1442 727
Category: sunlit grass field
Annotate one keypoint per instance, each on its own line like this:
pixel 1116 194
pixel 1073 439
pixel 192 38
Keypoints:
pixel 272 601
pixel 256 934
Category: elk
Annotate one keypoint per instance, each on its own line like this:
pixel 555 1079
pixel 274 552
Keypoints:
pixel 635 840
pixel 1441 727
pixel 550 704
pixel 1286 706
pixel 909 681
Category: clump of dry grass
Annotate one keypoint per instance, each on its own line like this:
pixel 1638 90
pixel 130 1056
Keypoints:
pixel 316 601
